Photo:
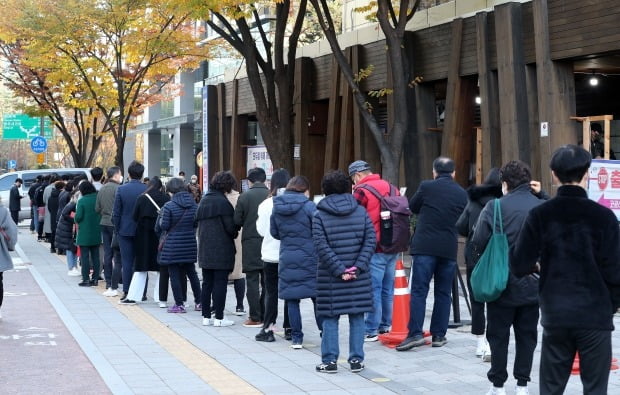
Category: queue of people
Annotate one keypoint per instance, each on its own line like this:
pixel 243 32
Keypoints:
pixel 564 256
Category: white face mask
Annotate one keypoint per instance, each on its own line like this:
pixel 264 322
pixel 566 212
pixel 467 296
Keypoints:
pixel 504 188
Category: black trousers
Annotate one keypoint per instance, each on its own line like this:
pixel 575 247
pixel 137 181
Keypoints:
pixel 164 279
pixel 255 292
pixel 524 320
pixel 1 288
pixel 15 216
pixel 478 321
pixel 558 352
pixel 214 285
pixel 271 294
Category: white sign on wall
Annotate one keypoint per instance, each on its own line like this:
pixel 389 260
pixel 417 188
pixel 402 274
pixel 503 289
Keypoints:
pixel 259 157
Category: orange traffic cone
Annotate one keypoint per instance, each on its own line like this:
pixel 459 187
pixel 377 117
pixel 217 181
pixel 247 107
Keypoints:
pixel 575 369
pixel 400 310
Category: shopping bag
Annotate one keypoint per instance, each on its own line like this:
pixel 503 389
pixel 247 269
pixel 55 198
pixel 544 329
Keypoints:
pixel 490 276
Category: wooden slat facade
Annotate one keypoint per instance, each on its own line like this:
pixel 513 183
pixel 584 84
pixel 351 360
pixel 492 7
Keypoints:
pixel 508 62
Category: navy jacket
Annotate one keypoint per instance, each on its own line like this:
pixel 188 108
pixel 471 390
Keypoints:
pixel 438 204
pixel 344 236
pixel 576 242
pixel 291 223
pixel 176 225
pixel 515 206
pixel 216 232
pixel 124 202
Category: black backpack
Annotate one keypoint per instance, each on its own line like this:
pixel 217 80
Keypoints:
pixel 395 220
pixel 38 195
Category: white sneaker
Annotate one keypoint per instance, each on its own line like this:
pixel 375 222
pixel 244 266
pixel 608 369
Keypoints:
pixel 519 390
pixel 207 321
pixel 162 305
pixel 482 343
pixel 110 292
pixel 74 272
pixel 222 322
pixel 486 354
pixel 496 391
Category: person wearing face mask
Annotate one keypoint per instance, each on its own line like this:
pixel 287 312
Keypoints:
pixel 104 206
pixel 517 306
pixel 194 188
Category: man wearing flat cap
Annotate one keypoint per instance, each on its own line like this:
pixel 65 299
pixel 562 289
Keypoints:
pixel 381 264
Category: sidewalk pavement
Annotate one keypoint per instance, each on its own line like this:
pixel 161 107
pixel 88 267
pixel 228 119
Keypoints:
pixel 142 349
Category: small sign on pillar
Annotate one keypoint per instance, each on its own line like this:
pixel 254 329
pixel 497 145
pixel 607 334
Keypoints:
pixel 40 158
pixel 544 129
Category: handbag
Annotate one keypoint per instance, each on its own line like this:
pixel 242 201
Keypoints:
pixel 490 276
pixel 164 235
pixel 41 213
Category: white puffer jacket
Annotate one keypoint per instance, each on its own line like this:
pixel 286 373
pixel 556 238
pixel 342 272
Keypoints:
pixel 270 250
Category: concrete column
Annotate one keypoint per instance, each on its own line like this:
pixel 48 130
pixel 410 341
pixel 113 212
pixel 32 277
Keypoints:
pixel 184 104
pixel 183 150
pixel 152 144
pixel 152 153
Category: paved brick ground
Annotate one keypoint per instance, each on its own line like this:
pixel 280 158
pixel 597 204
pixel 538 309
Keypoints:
pixel 143 349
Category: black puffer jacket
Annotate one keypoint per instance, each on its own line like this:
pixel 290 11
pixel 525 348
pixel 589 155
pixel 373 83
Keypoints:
pixel 344 236
pixel 216 232
pixel 514 207
pixel 479 196
pixel 64 229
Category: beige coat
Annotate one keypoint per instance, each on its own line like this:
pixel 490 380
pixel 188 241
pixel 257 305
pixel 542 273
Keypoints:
pixel 236 273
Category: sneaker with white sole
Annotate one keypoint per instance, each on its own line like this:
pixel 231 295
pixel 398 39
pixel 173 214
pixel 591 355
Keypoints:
pixel 496 390
pixel 207 321
pixel 482 342
pixel 223 322
pixel 74 272
pixel 486 354
pixel 110 292
pixel 297 345
pixel 522 390
pixel 371 338
pixel 162 305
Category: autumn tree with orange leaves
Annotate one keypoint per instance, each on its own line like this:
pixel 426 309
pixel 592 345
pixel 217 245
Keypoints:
pixel 99 63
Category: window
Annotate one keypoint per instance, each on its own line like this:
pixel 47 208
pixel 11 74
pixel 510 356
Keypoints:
pixel 7 182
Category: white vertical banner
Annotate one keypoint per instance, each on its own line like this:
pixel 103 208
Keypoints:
pixel 205 140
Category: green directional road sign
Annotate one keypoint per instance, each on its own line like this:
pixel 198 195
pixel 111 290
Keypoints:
pixel 20 126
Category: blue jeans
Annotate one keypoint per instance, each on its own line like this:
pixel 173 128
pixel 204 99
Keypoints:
pixel 423 269
pixel 125 244
pixel 329 342
pixel 382 276
pixel 71 259
pixel 294 316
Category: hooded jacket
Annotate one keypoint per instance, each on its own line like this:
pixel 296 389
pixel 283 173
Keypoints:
pixel 176 225
pixel 216 232
pixel 291 223
pixel 344 236
pixel 479 196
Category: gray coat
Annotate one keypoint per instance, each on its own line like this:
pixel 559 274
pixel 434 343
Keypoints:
pixel 105 202
pixel 47 225
pixel 6 223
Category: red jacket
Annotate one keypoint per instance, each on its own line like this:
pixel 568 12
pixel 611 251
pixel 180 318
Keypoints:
pixel 372 205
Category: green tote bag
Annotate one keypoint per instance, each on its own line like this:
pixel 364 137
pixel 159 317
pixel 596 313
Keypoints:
pixel 490 276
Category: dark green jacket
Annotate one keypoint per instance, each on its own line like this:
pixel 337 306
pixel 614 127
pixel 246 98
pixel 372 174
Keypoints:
pixel 246 214
pixel 87 219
